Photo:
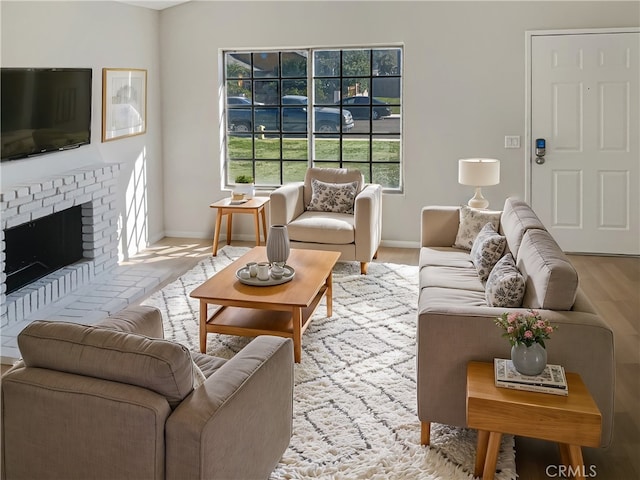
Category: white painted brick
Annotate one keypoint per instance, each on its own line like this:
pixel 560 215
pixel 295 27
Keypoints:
pixel 42 212
pixel 67 179
pixel 18 220
pixel 103 196
pixel 35 188
pixel 8 195
pixel 29 207
pixel 45 193
pixel 11 312
pixel 80 199
pixel 63 205
pixel 68 188
pixel 92 189
pixel 20 201
pixel 23 191
pixel 52 200
pixel 19 310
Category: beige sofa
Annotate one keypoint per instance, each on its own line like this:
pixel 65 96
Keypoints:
pixel 117 401
pixel 355 235
pixel 455 323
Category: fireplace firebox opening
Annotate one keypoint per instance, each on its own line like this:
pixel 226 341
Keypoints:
pixel 42 246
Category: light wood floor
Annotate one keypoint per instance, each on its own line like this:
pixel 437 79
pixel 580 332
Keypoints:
pixel 613 285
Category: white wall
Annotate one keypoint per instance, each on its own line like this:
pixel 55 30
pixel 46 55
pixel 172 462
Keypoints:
pixel 464 89
pixel 95 35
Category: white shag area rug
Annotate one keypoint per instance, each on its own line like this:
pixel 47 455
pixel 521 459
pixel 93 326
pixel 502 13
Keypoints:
pixel 355 391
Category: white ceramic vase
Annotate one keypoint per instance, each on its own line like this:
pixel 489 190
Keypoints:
pixel 529 360
pixel 248 189
pixel 278 244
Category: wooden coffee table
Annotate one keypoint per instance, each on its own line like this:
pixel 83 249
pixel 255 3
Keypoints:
pixel 570 421
pixel 284 310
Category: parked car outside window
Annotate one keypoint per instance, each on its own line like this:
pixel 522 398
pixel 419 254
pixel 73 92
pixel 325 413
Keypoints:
pixel 360 109
pixel 294 118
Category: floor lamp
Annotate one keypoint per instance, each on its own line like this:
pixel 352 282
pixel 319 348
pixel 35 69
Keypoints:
pixel 478 172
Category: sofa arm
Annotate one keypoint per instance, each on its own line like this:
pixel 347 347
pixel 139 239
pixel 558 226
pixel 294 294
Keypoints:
pixel 245 406
pixel 583 344
pixel 286 203
pixel 439 226
pixel 368 221
pixel 143 320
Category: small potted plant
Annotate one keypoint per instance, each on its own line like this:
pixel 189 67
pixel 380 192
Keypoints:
pixel 244 185
pixel 526 333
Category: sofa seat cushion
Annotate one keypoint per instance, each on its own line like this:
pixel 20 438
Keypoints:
pixel 451 277
pixel 551 281
pixel 445 257
pixel 159 365
pixel 323 227
pixel 443 299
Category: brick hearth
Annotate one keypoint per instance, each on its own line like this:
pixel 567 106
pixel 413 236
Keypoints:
pixel 85 291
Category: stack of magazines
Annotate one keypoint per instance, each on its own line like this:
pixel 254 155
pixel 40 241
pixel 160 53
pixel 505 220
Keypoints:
pixel 551 380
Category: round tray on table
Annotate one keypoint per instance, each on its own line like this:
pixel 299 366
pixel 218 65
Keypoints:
pixel 288 275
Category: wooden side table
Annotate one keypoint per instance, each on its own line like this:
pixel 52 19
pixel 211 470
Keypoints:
pixel 254 206
pixel 572 421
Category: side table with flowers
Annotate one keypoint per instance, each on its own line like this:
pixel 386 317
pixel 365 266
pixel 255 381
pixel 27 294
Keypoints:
pixel 526 333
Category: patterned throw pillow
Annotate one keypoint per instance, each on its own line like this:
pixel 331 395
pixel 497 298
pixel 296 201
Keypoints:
pixel 486 250
pixel 332 197
pixel 505 285
pixel 471 222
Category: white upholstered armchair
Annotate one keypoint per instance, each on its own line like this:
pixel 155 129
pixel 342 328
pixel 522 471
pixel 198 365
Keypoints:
pixel 318 216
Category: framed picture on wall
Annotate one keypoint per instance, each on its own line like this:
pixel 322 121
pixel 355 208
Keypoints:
pixel 124 102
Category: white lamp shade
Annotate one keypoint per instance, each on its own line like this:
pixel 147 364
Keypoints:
pixel 478 172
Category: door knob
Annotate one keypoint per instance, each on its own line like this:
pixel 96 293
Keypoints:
pixel 540 160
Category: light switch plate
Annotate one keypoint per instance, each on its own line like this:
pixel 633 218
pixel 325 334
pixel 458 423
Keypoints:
pixel 512 141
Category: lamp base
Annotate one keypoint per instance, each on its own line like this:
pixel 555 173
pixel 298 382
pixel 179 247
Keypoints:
pixel 478 201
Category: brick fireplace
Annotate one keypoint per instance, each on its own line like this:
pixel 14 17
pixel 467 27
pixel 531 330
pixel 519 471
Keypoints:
pixel 91 188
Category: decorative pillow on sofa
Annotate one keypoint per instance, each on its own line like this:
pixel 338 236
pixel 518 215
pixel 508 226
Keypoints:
pixel 471 222
pixel 332 197
pixel 505 285
pixel 486 250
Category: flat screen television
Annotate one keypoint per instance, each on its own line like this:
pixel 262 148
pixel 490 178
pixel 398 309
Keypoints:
pixel 44 110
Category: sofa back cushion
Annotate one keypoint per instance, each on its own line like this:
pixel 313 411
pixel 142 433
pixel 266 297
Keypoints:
pixel 550 278
pixel 517 217
pixel 159 365
pixel 331 175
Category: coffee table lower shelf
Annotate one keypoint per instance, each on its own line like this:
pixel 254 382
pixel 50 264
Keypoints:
pixel 284 321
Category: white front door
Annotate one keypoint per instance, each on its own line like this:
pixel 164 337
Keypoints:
pixel 585 105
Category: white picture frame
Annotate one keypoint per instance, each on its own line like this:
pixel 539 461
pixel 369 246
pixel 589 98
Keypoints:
pixel 124 103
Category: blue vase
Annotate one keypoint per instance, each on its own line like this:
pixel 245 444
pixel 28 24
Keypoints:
pixel 529 360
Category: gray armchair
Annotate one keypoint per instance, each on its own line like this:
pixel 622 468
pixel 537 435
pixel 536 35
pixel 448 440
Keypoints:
pixel 115 400
pixel 355 235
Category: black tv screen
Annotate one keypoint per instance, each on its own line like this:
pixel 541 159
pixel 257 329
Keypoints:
pixel 44 110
